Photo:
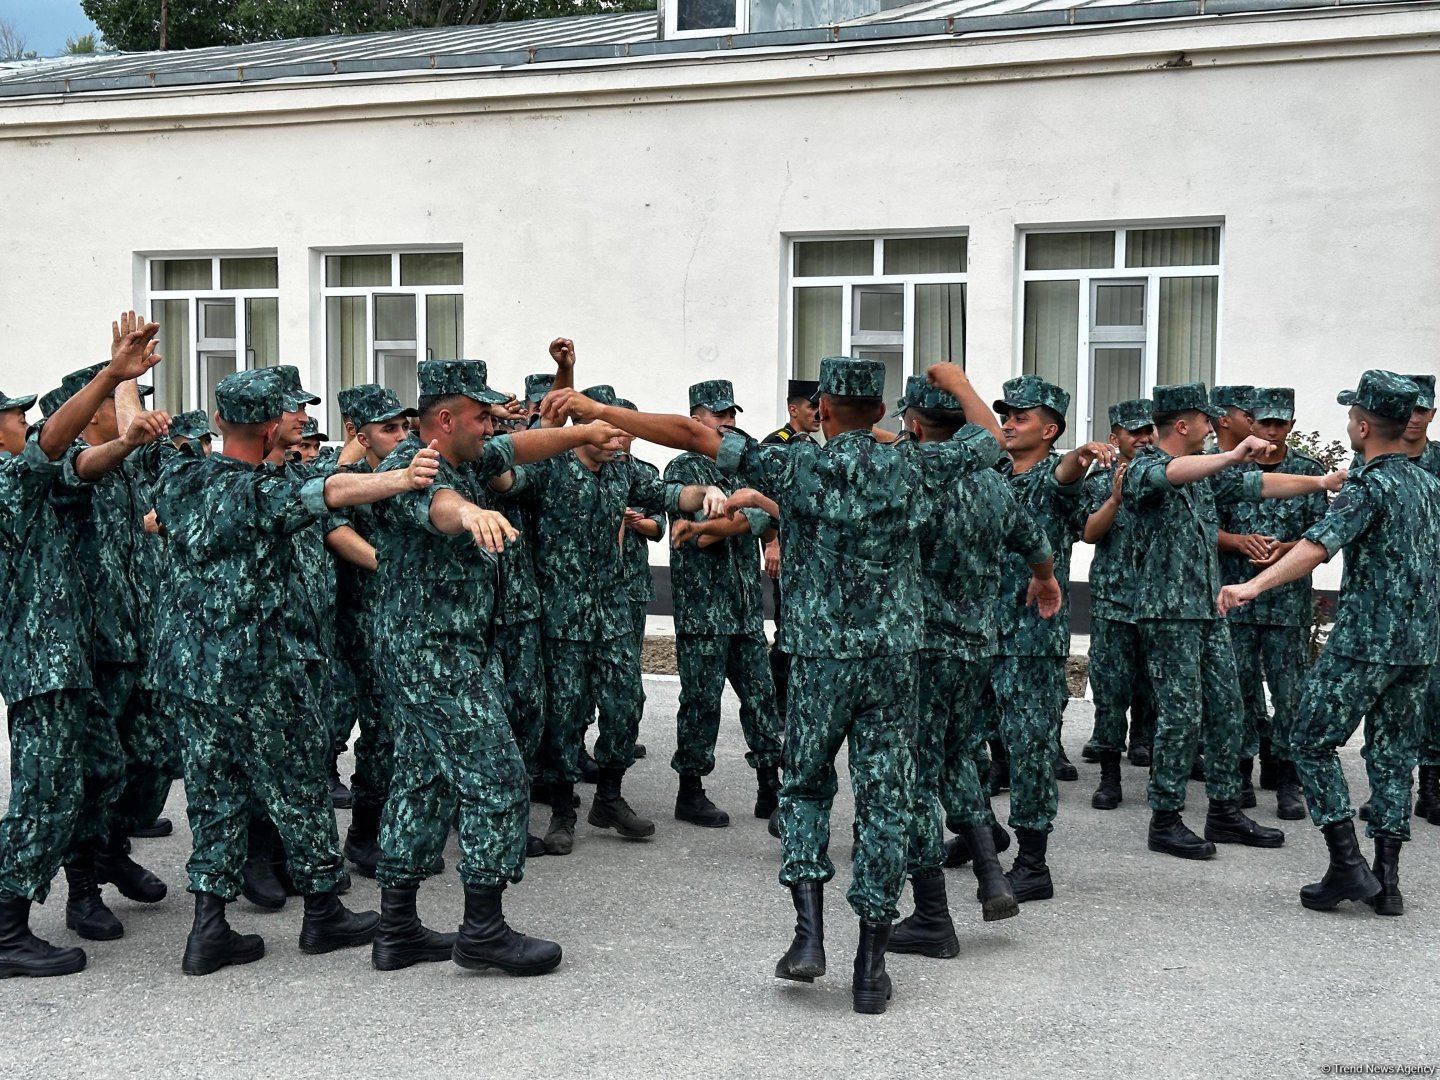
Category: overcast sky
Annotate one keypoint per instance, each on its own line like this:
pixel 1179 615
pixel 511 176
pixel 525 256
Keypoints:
pixel 45 24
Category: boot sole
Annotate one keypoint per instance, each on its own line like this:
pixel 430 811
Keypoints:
pixel 1386 905
pixel 472 964
pixel 1104 804
pixel 631 834
pixel 1290 815
pixel 806 973
pixel 18 971
pixel 208 965
pixel 871 1002
pixel 150 832
pixel 318 946
pixel 1244 840
pixel 397 960
pixel 1001 907
pixel 941 950
pixel 704 823
pixel 93 935
pixel 1196 853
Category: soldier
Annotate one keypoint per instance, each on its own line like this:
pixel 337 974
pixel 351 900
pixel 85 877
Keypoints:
pixel 1173 489
pixel 308 449
pixel 972 521
pixel 852 512
pixel 452 735
pixel 1027 681
pixel 45 676
pixel 1274 631
pixel 1115 664
pixel 1377 661
pixel 192 427
pixel 1425 453
pixel 536 387
pixel 1236 422
pixel 802 401
pixel 638 530
pixel 248 709
pixel 715 577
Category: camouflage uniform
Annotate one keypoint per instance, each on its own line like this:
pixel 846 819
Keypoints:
pixel 720 634
pixel 852 512
pixel 639 582
pixel 44 671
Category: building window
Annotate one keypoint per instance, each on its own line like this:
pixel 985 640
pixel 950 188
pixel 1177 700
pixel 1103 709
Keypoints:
pixel 705 18
pixel 898 299
pixel 218 315
pixel 1110 313
pixel 384 312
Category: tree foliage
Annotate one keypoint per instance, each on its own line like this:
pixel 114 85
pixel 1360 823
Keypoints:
pixel 134 25
pixel 13 44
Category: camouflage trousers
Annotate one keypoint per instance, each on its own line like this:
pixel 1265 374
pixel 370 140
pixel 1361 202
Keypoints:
pixel 949 689
pixel 521 660
pixel 339 690
pixel 1430 720
pixel 1119 686
pixel 47 786
pixel 705 661
pixel 1191 667
pixel 371 709
pixel 1339 692
pixel 268 753
pixel 1029 696
pixel 580 677
pixel 871 703
pixel 1283 654
pixel 102 761
pixel 779 658
pixel 449 750
pixel 149 742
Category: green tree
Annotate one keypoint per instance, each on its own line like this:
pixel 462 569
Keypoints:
pixel 12 43
pixel 134 25
pixel 82 45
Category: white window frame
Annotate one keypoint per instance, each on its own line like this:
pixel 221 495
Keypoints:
pixel 196 345
pixel 1087 278
pixel 672 20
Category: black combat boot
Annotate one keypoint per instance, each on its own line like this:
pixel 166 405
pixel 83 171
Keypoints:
pixel 1172 836
pixel 1089 753
pixel 212 944
pixel 694 806
pixel 1427 795
pixel 258 882
pixel 767 791
pixel 1270 775
pixel 1139 754
pixel 1347 877
pixel 589 768
pixel 341 797
pixel 999 767
pixel 1197 768
pixel 957 848
pixel 639 751
pixel 362 839
pixel 114 865
pixel 804 961
pixel 871 987
pixel 85 911
pixel 1386 869
pixel 1225 824
pixel 329 925
pixel 402 940
pixel 993 889
pixel 1029 876
pixel 560 836
pixel 1108 795
pixel 485 941
pixel 534 846
pixel 929 931
pixel 22 953
pixel 1289 799
pixel 609 810
pixel 1064 769
pixel 161 826
pixel 1247 785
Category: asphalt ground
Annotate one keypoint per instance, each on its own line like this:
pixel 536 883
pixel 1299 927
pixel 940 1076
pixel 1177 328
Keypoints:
pixel 1142 965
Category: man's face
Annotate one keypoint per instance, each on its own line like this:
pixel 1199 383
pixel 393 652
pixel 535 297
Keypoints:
pixel 308 449
pixel 382 437
pixel 103 426
pixel 1026 429
pixel 1196 427
pixel 473 427
pixel 1417 430
pixel 804 415
pixel 291 425
pixel 597 455
pixel 1127 442
pixel 715 421
pixel 1273 430
pixel 1352 430
pixel 1238 422
pixel 12 431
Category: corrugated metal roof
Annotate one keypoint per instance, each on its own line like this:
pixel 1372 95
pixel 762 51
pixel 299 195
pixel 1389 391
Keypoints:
pixel 513 45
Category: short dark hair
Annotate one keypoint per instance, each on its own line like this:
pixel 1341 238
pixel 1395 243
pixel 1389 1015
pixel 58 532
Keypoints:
pixel 430 402
pixel 937 424
pixel 1386 427
pixel 1053 417
pixel 796 399
pixel 1170 419
pixel 854 410
pixel 1133 431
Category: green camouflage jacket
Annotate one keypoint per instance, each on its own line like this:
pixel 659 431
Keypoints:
pixel 356 588
pixel 1059 511
pixel 1112 568
pixel 310 618
pixel 639 584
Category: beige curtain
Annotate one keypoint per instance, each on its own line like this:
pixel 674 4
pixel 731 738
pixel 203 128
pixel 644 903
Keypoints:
pixel 1052 338
pixel 172 378
pixel 939 324
pixel 344 351
pixel 1173 247
pixel 1070 251
pixel 1189 308
pixel 818 331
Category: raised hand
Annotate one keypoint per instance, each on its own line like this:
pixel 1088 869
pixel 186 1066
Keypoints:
pixel 146 428
pixel 132 352
pixel 491 530
pixel 1101 453
pixel 423 468
pixel 1117 484
pixel 946 376
pixel 562 351
pixel 127 323
pixel 1044 596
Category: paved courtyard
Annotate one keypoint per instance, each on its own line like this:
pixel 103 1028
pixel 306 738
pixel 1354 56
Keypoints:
pixel 1143 965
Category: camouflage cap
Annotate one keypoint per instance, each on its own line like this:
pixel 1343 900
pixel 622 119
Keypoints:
pixel 604 393
pixel 919 394
pixel 468 378
pixel 1232 397
pixel 1031 392
pixel 717 395
pixel 53 400
pixel 374 404
pixel 311 430
pixel 848 377
pixel 76 381
pixel 537 386
pixel 24 401
pixel 1272 403
pixel 1426 383
pixel 251 397
pixel 1184 397
pixel 1132 415
pixel 806 388
pixel 190 425
pixel 349 396
pixel 296 396
pixel 622 403
pixel 1383 393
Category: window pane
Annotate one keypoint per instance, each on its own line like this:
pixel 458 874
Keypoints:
pixel 214 366
pixel 880 310
pixel 1119 305
pixel 399 370
pixel 817 329
pixel 704 14
pixel 835 258
pixel 431 268
pixel 181 274
pixel 395 318
pixel 925 255
pixel 939 324
pixel 172 378
pixel 1052 338
pixel 352 270
pixel 444 327
pixel 894 362
pixel 1185 347
pixel 262 332
pixel 344 351
pixel 217 319
pixel 261 273
pixel 1069 251
pixel 1115 377
pixel 1173 247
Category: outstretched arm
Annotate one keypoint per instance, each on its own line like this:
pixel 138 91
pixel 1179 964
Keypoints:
pixel 952 379
pixel 357 489
pixel 1287 486
pixel 562 351
pixel 664 429
pixel 131 358
pixel 96 461
pixel 1304 557
pixel 453 514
